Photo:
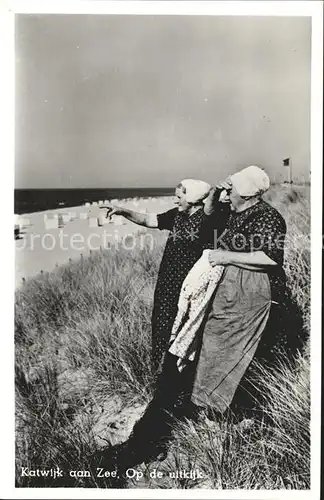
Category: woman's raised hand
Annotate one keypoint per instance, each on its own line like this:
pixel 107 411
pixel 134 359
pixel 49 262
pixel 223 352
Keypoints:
pixel 225 184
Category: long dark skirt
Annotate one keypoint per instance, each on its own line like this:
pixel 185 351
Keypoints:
pixel 284 336
pixel 236 320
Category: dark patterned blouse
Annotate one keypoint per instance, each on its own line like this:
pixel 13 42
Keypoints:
pixel 189 236
pixel 260 227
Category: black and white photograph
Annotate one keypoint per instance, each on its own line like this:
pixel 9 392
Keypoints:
pixel 164 328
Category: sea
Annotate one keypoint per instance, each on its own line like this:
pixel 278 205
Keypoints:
pixel 37 200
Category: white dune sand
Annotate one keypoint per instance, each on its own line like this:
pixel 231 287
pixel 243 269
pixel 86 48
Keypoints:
pixel 52 238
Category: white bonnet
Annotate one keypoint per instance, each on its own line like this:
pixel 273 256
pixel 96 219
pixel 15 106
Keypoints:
pixel 250 181
pixel 196 190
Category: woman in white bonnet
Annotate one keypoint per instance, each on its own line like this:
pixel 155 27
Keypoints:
pixel 187 239
pixel 251 249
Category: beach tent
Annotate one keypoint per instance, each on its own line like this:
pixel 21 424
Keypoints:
pixel 23 222
pixel 102 220
pixel 72 215
pixel 93 221
pixel 51 223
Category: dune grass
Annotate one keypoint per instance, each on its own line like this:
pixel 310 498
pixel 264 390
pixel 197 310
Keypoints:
pixel 272 453
pixel 82 338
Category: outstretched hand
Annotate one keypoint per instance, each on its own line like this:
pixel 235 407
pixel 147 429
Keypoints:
pixel 111 210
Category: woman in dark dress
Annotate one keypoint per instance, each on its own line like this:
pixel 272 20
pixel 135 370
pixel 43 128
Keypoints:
pixel 192 230
pixel 252 250
pixel 251 315
pixel 190 234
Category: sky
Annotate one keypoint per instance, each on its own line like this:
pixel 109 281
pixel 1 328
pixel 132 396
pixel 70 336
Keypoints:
pixel 126 101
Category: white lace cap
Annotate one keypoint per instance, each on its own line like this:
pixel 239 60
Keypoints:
pixel 250 181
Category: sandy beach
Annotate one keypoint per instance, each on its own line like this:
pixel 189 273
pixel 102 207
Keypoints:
pixel 49 239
